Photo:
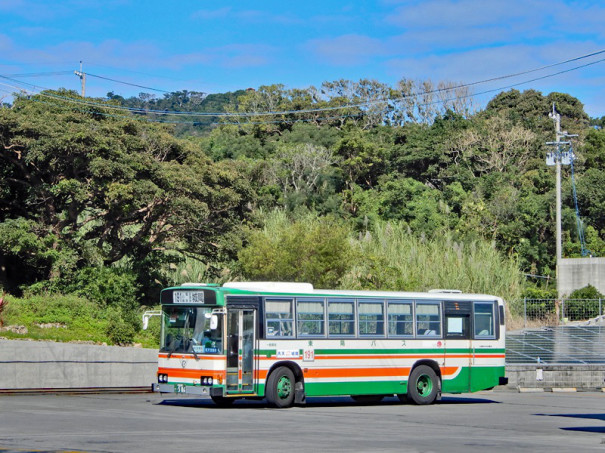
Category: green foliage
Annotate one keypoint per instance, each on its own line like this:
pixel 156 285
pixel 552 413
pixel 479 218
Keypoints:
pixel 88 189
pixel 120 329
pixel 107 286
pixel 311 249
pixel 114 208
pixel 534 292
pixel 56 317
pixel 588 292
pixel 408 262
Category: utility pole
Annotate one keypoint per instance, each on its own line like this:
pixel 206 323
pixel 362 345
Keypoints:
pixel 557 118
pixel 556 159
pixel 82 75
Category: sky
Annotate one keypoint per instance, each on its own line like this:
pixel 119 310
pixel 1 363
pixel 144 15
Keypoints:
pixel 219 46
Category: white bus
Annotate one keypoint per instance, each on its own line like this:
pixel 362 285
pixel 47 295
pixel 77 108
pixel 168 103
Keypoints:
pixel 287 341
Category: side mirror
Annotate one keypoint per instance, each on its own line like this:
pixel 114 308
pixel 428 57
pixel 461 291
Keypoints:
pixel 148 314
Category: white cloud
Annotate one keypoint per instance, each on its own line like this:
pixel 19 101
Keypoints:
pixel 346 49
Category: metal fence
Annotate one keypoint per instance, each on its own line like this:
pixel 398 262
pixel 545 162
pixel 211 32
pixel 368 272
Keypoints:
pixel 570 345
pixel 554 312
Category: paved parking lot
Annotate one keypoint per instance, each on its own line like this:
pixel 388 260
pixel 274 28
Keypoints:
pixel 486 421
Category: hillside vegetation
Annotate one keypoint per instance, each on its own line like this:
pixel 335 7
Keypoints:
pixel 392 191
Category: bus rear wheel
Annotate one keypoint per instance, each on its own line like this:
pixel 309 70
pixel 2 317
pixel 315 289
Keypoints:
pixel 423 385
pixel 280 388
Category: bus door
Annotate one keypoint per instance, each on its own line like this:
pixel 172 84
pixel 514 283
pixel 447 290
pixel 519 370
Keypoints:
pixel 458 331
pixel 241 337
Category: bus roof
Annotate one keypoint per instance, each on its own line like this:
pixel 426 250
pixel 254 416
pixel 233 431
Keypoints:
pixel 307 289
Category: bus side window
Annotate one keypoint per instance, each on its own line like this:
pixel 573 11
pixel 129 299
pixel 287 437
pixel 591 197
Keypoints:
pixel 401 319
pixel 484 320
pixel 279 318
pixel 428 319
pixel 310 315
pixel 371 318
pixel 341 317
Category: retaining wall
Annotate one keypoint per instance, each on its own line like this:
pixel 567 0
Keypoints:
pixel 48 365
pixel 556 377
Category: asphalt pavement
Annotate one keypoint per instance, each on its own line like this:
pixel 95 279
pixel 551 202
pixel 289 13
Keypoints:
pixel 485 421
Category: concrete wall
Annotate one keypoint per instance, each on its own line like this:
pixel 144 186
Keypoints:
pixel 576 273
pixel 48 365
pixel 553 377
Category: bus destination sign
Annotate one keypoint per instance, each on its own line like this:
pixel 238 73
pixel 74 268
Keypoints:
pixel 188 297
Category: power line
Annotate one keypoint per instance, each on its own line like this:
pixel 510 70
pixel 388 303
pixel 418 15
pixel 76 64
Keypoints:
pixel 126 83
pixel 325 109
pixel 38 74
pixel 319 109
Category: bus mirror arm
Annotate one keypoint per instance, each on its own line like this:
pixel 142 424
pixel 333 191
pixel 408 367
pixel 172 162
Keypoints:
pixel 148 314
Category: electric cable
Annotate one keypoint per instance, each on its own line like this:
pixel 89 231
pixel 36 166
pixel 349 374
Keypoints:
pixel 312 110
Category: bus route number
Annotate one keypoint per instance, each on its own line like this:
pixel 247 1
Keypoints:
pixel 309 355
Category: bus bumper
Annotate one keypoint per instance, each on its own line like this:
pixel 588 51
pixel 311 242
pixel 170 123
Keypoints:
pixel 184 389
pixel 502 380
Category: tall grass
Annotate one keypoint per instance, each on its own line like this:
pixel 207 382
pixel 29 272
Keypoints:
pixel 191 270
pixel 390 255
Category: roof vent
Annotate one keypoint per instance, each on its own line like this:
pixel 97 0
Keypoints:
pixel 445 291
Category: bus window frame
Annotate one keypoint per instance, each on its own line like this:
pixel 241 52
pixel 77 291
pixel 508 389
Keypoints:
pixel 291 300
pixel 339 300
pixel 439 305
pixel 368 301
pixel 303 299
pixel 412 304
pixel 495 321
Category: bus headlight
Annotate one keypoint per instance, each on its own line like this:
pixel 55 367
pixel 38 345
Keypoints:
pixel 162 378
pixel 206 380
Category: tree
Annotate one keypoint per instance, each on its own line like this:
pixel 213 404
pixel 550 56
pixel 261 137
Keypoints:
pixel 312 249
pixel 98 189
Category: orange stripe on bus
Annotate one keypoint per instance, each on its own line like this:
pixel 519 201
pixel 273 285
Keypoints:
pixel 191 374
pixel 192 357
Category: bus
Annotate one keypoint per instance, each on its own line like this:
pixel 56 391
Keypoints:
pixel 286 341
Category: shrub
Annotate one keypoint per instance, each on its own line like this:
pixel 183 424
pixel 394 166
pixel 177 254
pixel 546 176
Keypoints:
pixel 119 330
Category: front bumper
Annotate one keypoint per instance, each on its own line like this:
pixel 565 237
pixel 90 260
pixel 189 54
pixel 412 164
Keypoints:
pixel 187 389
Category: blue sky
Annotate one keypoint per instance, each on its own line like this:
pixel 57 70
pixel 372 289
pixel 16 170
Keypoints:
pixel 216 46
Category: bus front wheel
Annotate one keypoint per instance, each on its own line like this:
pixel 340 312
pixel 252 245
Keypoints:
pixel 280 388
pixel 423 385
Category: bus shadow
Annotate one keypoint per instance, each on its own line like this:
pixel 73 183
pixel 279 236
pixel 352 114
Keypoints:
pixel 466 400
pixel 316 402
pixel 586 429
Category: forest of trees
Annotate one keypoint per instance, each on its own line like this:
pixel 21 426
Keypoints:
pixel 352 184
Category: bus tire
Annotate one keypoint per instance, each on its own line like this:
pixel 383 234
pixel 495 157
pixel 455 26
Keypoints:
pixel 280 388
pixel 423 385
pixel 367 399
pixel 221 401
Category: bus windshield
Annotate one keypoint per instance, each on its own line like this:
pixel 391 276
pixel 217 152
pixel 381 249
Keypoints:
pixel 187 329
